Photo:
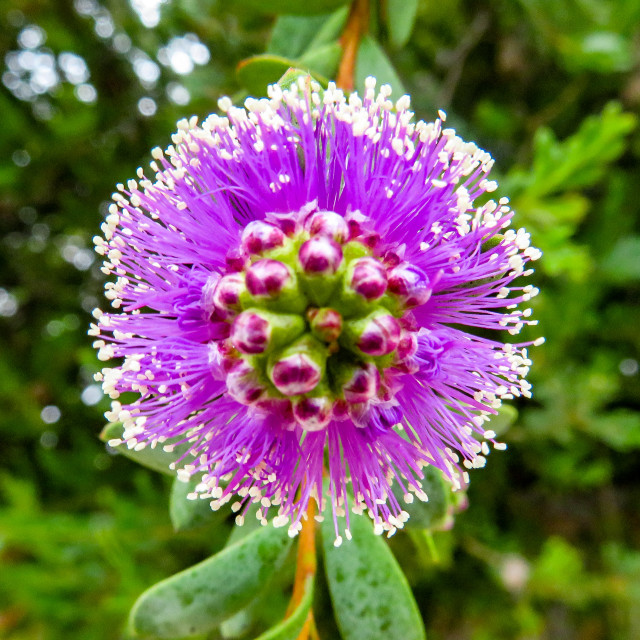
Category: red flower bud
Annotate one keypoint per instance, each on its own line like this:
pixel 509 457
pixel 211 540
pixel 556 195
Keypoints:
pixel 369 278
pixel 320 256
pixel 259 236
pixel 267 278
pixel 250 333
pixel 328 224
pixel 380 336
pixel 410 284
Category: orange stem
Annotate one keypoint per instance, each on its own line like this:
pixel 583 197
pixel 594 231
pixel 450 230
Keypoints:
pixel 306 565
pixel 308 625
pixel 357 24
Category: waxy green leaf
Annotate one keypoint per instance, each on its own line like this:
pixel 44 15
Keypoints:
pixel 157 458
pixel 258 72
pixel 294 7
pixel 400 17
pixel 322 61
pixel 373 61
pixel 430 514
pixel 370 594
pixel 187 514
pixel 198 599
pixel 291 35
pixel 290 628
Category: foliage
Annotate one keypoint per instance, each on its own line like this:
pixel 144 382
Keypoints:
pixel 548 546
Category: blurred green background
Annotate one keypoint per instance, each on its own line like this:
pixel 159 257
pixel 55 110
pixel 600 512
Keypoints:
pixel 549 547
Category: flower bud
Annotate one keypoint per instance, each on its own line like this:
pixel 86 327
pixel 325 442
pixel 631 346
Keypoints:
pixel 313 414
pixel 368 278
pixel 226 295
pixel 235 260
pixel 223 357
pixel 298 368
pixel 256 331
pixel 407 345
pixel 328 224
pixel 362 383
pixel 326 323
pixel 391 259
pixel 244 384
pixel 267 278
pixel 320 256
pixel 259 236
pixel 379 336
pixel 410 284
pixel 250 333
pixel 404 359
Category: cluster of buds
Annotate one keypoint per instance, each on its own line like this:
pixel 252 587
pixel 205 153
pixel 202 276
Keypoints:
pixel 319 323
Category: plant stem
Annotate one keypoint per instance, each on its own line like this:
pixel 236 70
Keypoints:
pixel 356 26
pixel 306 565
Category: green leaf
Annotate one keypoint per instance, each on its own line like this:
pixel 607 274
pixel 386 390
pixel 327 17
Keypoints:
pixel 400 17
pixel 430 514
pixel 291 77
pixel 619 429
pixel 157 459
pixel 291 35
pixel 370 594
pixel 599 51
pixel 580 160
pixel 500 423
pixel 187 514
pixel 198 599
pixel 623 263
pixel 257 72
pixel 290 628
pixel 322 61
pixel 293 7
pixel 373 61
pixel 263 610
pixel 331 29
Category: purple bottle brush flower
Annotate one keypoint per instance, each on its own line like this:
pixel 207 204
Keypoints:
pixel 336 297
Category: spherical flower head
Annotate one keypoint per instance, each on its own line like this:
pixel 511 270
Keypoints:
pixel 306 286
